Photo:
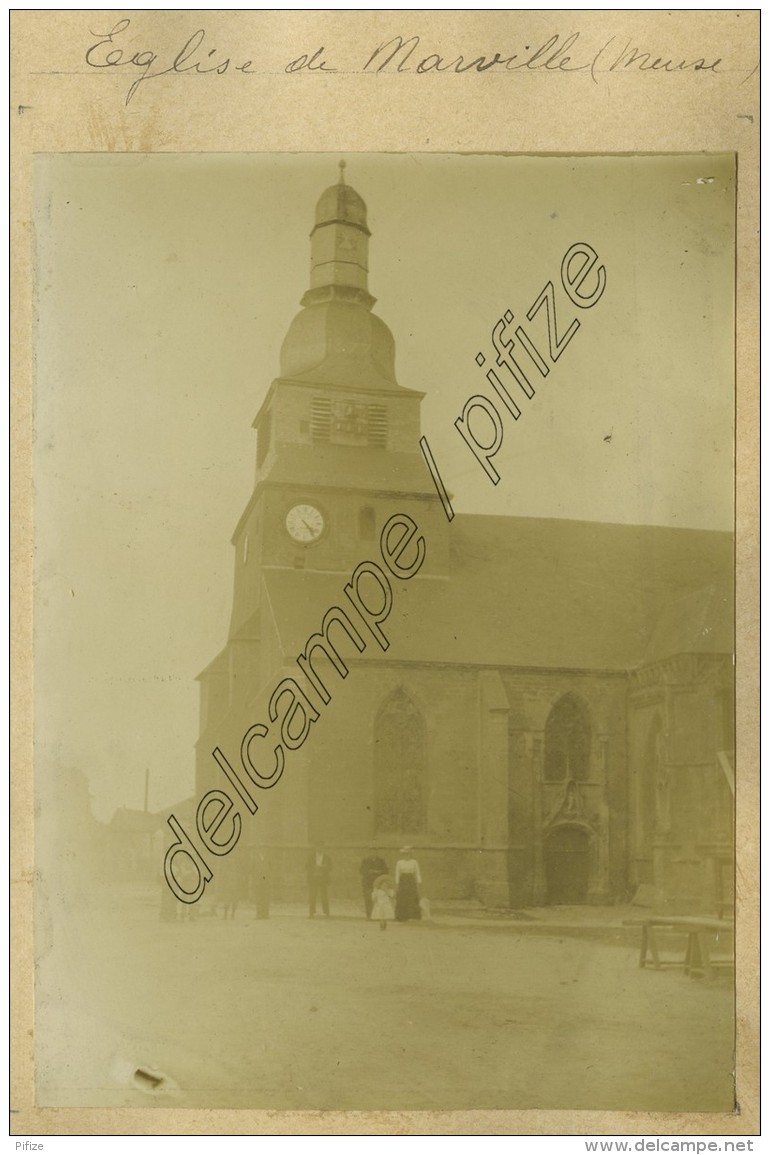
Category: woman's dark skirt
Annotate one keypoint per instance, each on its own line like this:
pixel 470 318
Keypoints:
pixel 407 898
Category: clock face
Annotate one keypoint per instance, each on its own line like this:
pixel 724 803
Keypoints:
pixel 305 523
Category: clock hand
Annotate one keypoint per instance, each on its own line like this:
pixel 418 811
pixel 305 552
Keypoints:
pixel 309 528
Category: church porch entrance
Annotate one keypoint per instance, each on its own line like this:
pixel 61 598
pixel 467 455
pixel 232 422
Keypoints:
pixel 567 860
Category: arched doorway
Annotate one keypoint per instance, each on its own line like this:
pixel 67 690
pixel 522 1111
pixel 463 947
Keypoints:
pixel 567 865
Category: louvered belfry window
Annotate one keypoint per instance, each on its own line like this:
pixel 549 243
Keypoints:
pixel 378 425
pixel 320 418
pixel 348 422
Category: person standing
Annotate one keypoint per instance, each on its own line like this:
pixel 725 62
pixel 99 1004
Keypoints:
pixel 382 895
pixel 229 888
pixel 319 869
pixel 408 882
pixel 371 869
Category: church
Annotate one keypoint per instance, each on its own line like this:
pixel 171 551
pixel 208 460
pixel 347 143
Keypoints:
pixel 550 720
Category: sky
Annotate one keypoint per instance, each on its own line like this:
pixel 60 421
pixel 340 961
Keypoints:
pixel 164 287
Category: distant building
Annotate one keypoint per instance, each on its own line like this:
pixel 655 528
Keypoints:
pixel 135 837
pixel 555 721
pixel 71 843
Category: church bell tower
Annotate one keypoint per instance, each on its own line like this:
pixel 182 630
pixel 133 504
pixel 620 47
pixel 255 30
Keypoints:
pixel 337 453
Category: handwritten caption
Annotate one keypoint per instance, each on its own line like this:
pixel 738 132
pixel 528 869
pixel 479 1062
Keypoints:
pixel 116 49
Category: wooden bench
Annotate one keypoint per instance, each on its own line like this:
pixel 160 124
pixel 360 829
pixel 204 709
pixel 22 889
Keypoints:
pixel 697 958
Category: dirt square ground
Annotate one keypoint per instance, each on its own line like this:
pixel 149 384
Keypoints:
pixel 293 1013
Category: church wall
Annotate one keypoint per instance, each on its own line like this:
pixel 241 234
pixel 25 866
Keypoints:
pixel 343 765
pixel 247 576
pixel 225 734
pixel 270 652
pixel 344 543
pixel 670 831
pixel 244 670
pixel 680 726
pixel 328 789
pixel 214 693
pixel 646 716
pixel 291 416
pixel 403 424
pixel 489 811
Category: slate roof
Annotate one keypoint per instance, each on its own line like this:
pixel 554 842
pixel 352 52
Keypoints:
pixel 540 593
pixel 695 623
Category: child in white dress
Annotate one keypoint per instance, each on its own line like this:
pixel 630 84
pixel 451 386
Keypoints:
pixel 382 902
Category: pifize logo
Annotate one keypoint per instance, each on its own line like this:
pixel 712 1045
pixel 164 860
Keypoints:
pixel 526 354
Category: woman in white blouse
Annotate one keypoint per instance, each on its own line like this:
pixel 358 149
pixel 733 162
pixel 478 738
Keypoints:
pixel 408 881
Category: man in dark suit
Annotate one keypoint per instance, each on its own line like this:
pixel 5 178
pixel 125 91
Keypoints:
pixel 319 869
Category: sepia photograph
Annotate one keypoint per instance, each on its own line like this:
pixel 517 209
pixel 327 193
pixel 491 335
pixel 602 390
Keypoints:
pixel 384 631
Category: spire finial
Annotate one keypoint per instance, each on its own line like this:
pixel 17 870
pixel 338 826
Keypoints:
pixel 342 172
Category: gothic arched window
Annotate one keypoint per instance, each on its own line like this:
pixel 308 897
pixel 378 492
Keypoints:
pixel 567 740
pixel 400 803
